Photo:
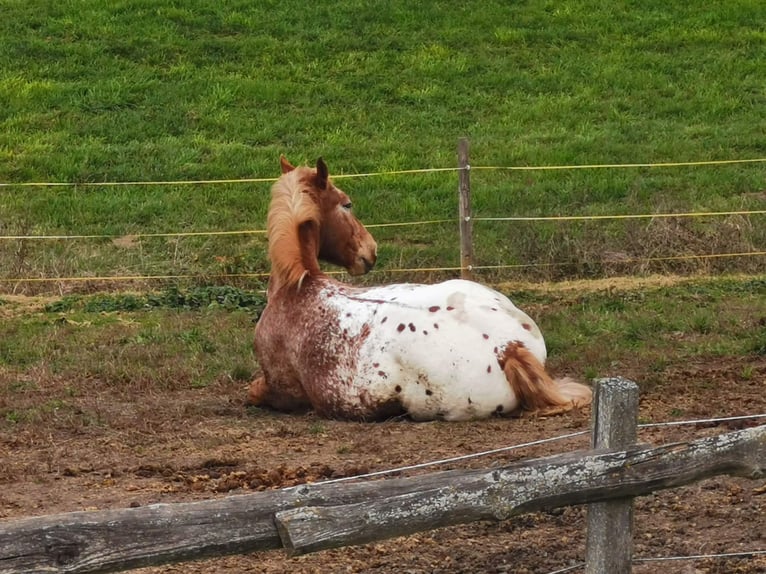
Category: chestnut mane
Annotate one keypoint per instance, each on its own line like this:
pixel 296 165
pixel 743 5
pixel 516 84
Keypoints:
pixel 293 208
pixel 310 219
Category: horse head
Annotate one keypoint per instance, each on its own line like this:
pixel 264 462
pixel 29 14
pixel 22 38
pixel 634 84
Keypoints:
pixel 306 198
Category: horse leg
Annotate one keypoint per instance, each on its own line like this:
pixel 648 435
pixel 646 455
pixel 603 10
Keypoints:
pixel 279 395
pixel 256 395
pixel 538 393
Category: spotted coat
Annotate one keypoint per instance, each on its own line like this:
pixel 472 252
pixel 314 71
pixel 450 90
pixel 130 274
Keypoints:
pixel 429 351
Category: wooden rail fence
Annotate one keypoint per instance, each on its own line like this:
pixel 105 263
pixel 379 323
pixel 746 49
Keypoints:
pixel 314 517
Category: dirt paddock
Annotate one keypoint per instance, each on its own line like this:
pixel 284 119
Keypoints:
pixel 204 443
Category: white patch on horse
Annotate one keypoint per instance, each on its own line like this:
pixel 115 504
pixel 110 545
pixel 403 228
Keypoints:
pixel 437 347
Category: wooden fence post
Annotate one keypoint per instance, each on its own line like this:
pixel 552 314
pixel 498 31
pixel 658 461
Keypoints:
pixel 466 224
pixel 609 544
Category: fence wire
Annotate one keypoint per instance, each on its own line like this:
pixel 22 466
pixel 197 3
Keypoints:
pixel 388 173
pixel 485 453
pixel 179 234
pixel 126 278
pixel 743 554
pixel 520 218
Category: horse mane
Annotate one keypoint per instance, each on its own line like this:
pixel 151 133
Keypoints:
pixel 293 213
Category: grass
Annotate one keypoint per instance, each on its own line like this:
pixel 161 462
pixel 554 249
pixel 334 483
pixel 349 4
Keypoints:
pixel 141 91
pixel 172 297
pixel 127 353
pixel 659 326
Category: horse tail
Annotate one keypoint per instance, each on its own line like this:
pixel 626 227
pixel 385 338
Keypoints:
pixel 536 390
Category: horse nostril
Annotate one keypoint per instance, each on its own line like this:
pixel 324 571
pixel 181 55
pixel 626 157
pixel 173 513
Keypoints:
pixel 367 264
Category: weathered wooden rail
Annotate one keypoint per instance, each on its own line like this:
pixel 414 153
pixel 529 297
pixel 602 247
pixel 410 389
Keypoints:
pixel 308 518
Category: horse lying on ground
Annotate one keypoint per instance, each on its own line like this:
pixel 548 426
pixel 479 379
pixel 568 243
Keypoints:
pixel 455 350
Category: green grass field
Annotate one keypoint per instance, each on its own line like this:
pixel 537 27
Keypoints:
pixel 163 91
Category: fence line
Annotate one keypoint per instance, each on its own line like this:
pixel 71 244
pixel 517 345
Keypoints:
pixel 403 224
pixel 621 165
pixel 499 450
pixel 203 233
pixel 377 271
pixel 136 235
pixel 623 260
pixel 701 421
pixel 466 220
pixel 568 568
pixel 744 554
pixel 386 173
pixel 126 278
pixel 453 459
pixel 136 183
pixel 702 556
pixel 618 216
pixel 216 181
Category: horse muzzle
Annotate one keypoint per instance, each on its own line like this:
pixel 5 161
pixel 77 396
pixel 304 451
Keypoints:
pixel 365 258
pixel 362 265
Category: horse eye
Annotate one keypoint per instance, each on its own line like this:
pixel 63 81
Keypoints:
pixel 348 205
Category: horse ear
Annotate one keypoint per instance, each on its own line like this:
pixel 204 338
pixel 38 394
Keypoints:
pixel 322 173
pixel 285 165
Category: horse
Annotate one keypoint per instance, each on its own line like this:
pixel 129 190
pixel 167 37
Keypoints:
pixel 451 351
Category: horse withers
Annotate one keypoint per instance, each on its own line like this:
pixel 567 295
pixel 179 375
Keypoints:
pixel 455 350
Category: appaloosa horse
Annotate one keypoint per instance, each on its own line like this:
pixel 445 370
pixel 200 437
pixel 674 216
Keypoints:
pixel 455 351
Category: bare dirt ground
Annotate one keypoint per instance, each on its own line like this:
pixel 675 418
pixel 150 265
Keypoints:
pixel 174 447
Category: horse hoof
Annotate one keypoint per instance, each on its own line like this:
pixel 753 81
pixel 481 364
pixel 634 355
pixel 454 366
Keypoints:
pixel 256 392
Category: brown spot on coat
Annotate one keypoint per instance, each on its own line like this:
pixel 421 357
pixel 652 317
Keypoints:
pixel 489 368
pixel 382 374
pixel 384 320
pixel 429 392
pixel 400 328
pixel 412 327
pixel 450 308
pixel 434 308
pixel 485 335
pixel 398 388
pixel 527 326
